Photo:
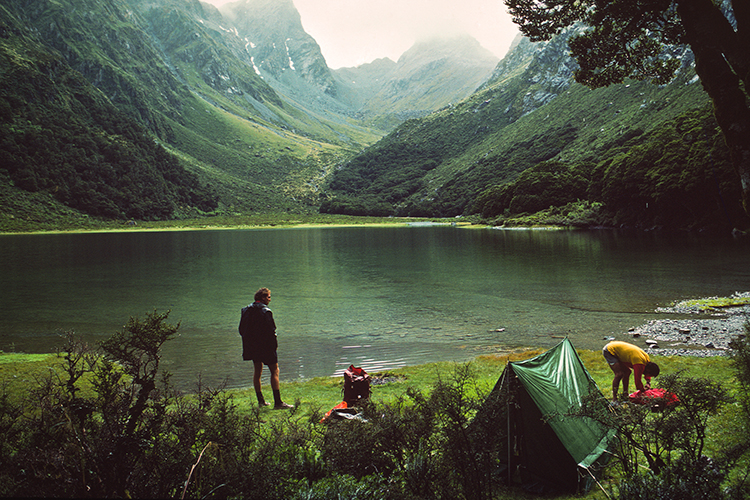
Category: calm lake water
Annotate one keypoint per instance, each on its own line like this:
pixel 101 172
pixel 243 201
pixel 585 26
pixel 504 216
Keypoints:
pixel 377 297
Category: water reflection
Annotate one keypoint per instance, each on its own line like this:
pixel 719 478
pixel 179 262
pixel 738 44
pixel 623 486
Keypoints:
pixel 377 297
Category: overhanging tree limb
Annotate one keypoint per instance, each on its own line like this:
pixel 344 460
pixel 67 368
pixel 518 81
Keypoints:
pixel 626 39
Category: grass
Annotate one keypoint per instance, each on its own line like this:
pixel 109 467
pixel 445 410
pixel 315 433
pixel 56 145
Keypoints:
pixel 75 222
pixel 326 392
pixel 19 372
pixel 712 303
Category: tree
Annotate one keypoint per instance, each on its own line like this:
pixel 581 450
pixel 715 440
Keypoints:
pixel 631 39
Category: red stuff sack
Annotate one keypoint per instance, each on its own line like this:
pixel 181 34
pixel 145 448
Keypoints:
pixel 356 385
pixel 657 398
pixel 340 406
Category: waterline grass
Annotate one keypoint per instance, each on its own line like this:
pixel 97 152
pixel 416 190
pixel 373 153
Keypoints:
pixel 67 223
pixel 322 393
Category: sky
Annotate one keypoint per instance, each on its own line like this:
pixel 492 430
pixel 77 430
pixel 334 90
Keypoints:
pixel 353 32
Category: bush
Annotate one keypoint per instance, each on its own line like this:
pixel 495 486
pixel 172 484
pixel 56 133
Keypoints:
pixel 107 423
pixel 672 440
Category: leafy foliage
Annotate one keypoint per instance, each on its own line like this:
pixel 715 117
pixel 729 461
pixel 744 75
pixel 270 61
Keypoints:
pixel 106 423
pixel 682 170
pixel 550 183
pixel 678 175
pixel 60 135
pixel 671 437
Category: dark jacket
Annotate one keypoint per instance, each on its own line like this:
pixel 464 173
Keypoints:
pixel 258 331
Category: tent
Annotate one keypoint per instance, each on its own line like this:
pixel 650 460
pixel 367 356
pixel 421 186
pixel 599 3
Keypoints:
pixel 540 447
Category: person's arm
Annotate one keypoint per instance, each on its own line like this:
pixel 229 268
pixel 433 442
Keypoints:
pixel 638 370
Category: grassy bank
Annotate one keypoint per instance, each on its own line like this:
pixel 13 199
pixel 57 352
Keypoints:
pixel 20 375
pixel 18 369
pixel 73 222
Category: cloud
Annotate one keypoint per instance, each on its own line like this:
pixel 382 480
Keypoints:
pixel 352 32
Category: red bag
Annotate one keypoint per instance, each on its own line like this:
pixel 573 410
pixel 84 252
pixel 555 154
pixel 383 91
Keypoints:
pixel 356 385
pixel 654 397
pixel 340 406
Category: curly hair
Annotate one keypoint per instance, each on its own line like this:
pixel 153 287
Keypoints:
pixel 262 294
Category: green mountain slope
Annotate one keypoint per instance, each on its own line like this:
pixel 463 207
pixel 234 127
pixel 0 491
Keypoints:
pixel 466 158
pixel 166 70
pixel 60 135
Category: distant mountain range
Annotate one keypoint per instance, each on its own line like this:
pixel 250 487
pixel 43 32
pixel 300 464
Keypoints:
pixel 242 97
pixel 153 109
pixel 531 139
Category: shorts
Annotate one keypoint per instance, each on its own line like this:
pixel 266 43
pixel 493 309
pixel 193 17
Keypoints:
pixel 611 358
pixel 268 358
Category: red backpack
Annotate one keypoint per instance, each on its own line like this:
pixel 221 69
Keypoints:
pixel 356 385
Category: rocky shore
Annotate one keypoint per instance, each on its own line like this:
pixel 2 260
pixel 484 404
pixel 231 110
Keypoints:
pixel 708 334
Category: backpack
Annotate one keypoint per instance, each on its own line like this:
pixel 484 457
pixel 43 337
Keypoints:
pixel 356 385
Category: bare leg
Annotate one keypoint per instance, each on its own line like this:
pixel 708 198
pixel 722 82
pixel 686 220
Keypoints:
pixel 274 368
pixel 278 404
pixel 622 374
pixel 257 372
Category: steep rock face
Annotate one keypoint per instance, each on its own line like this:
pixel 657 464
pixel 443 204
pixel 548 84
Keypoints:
pixel 277 42
pixel 191 38
pixel 546 70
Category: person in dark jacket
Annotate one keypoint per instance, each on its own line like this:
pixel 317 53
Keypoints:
pixel 259 344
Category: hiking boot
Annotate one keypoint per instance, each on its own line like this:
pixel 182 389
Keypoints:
pixel 282 406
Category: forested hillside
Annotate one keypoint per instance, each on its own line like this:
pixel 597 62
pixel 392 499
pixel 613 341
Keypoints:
pixel 60 135
pixel 137 109
pixel 642 155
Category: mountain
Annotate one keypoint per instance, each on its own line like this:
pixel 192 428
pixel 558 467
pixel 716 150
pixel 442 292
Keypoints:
pixel 239 99
pixel 278 44
pixel 637 152
pixel 152 109
pixel 169 70
pixel 432 74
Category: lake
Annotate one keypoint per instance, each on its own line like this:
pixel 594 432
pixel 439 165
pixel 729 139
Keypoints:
pixel 376 297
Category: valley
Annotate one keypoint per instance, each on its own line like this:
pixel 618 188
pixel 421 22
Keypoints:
pixel 247 118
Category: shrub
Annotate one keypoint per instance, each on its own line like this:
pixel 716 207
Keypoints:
pixel 672 440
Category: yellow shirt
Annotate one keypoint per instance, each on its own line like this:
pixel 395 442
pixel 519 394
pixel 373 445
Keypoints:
pixel 628 353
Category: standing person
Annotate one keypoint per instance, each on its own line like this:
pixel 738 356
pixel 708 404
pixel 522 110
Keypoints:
pixel 259 344
pixel 622 358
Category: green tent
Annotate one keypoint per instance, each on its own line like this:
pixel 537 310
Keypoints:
pixel 542 449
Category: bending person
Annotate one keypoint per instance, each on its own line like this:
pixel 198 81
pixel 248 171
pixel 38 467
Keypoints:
pixel 624 358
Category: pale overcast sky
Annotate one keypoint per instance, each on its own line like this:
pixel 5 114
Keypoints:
pixel 353 32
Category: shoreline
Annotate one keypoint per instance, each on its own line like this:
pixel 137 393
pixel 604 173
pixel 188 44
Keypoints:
pixel 707 334
pixel 200 225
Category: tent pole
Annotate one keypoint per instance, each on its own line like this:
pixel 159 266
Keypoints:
pixel 507 399
pixel 510 473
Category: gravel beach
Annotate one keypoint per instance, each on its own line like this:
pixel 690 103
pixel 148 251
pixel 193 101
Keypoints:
pixel 707 334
